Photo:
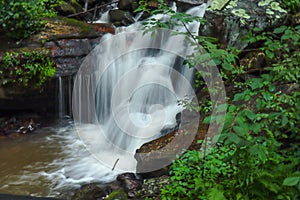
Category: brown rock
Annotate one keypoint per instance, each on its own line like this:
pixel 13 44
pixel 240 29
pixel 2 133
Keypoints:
pixel 154 157
pixel 130 183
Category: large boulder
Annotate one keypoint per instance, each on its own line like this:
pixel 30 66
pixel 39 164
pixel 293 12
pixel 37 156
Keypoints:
pixel 121 17
pixel 231 22
pixel 159 154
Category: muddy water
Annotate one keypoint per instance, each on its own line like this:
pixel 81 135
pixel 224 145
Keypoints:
pixel 51 161
pixel 22 160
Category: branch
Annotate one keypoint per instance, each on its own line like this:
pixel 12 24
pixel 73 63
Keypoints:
pixel 97 7
pixel 115 165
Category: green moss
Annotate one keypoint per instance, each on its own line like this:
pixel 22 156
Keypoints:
pixel 118 194
pixel 85 28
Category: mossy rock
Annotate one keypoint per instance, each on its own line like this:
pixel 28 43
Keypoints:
pixel 64 28
pixel 118 194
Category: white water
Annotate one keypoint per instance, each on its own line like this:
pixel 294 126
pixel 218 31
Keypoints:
pixel 104 18
pixel 125 93
pixel 128 89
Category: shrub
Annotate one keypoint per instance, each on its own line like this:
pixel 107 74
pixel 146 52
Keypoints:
pixel 21 18
pixel 257 155
pixel 26 67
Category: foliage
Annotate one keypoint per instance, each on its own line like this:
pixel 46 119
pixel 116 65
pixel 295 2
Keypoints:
pixel 26 67
pixel 292 5
pixel 257 155
pixel 21 18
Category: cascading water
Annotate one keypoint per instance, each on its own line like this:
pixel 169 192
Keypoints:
pixel 128 89
pixel 64 97
pixel 125 94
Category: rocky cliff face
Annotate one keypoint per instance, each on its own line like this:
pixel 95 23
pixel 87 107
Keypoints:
pixel 68 42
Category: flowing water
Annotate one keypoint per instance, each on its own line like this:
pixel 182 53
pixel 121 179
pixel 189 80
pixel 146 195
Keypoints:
pixel 51 161
pixel 117 109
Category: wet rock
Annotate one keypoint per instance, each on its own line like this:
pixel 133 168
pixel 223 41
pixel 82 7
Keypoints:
pixel 130 182
pixel 105 28
pixel 121 17
pixel 154 157
pixel 13 127
pixel 184 5
pixel 95 191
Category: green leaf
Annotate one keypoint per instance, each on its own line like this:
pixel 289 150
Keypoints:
pixel 260 103
pixel 271 88
pixel 270 54
pixel 247 97
pixel 267 96
pixel 234 137
pixel 227 66
pixel 256 83
pixel 291 181
pixel 250 115
pixel 216 194
pixel 284 120
pixel 238 97
pixel 281 29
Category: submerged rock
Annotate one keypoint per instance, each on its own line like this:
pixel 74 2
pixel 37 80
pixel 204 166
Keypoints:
pixel 14 127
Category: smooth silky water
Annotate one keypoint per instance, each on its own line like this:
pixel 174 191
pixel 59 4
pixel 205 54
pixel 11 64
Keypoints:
pixel 54 160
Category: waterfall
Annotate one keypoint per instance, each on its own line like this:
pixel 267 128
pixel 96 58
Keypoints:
pixel 64 97
pixel 127 90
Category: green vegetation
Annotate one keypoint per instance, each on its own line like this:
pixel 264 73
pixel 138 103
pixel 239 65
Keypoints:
pixel 257 154
pixel 292 5
pixel 26 67
pixel 21 18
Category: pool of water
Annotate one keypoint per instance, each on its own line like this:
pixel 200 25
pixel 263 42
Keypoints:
pixel 52 161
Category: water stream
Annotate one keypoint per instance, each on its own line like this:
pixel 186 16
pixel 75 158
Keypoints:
pixel 117 108
pixel 52 161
